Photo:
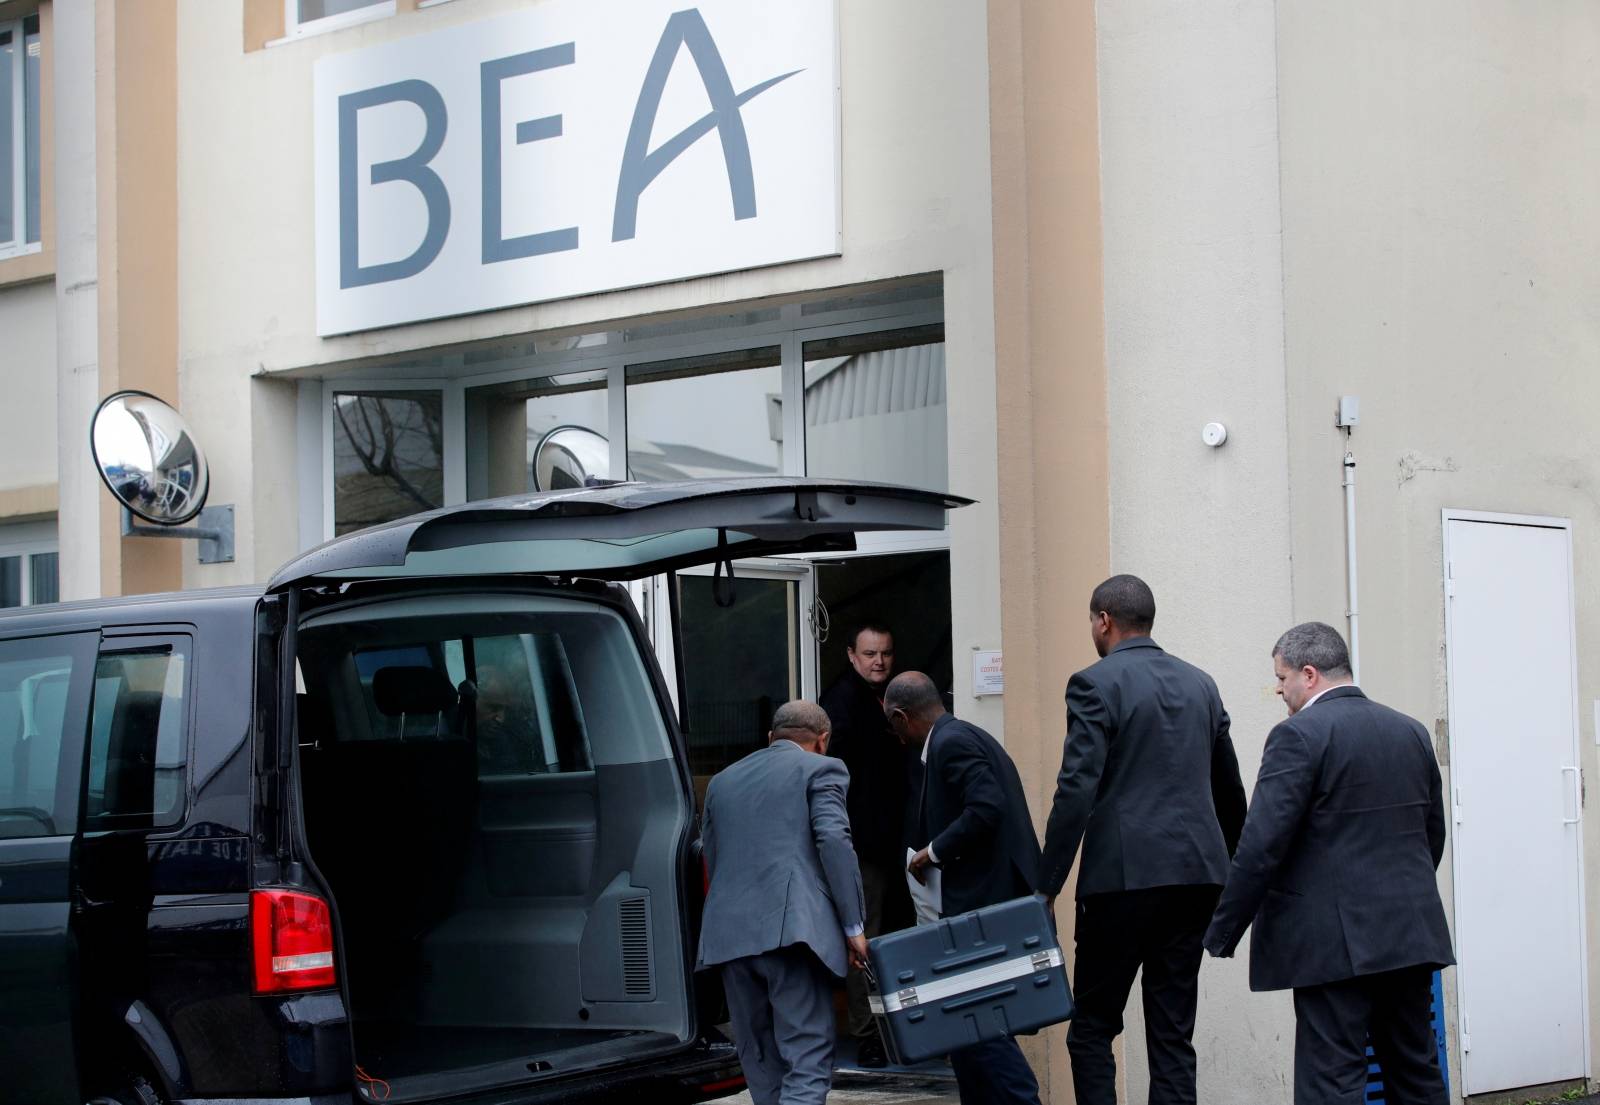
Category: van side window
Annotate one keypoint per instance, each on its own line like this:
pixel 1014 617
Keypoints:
pixel 33 704
pixel 528 719
pixel 512 695
pixel 137 738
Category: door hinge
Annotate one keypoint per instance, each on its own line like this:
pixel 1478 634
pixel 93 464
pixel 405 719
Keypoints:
pixel 1449 588
pixel 1466 1032
pixel 1457 804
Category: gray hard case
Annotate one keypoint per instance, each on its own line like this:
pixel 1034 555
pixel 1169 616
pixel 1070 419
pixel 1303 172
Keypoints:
pixel 993 972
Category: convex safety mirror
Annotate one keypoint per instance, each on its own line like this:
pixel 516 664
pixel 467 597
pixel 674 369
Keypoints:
pixel 148 458
pixel 156 469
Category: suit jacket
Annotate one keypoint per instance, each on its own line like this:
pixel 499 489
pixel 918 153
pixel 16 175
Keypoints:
pixel 878 769
pixel 777 849
pixel 1336 864
pixel 1149 781
pixel 977 819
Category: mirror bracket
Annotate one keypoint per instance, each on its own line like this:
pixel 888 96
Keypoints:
pixel 214 532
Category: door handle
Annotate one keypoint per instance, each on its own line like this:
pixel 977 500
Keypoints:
pixel 1577 798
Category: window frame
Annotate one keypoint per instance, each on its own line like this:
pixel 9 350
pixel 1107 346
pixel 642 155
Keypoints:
pixel 27 548
pixel 20 246
pixel 790 329
pixel 176 644
pixel 294 27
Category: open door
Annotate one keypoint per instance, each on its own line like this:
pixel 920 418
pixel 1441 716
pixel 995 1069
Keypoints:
pixel 623 531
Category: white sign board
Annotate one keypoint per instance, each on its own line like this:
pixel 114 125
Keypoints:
pixel 988 677
pixel 575 147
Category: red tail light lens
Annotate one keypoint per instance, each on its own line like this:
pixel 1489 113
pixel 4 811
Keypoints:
pixel 291 941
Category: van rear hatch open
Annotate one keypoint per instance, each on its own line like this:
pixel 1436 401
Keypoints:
pixel 492 785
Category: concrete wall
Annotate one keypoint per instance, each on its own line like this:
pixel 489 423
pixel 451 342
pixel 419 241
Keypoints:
pixel 28 446
pixel 1194 334
pixel 1305 201
pixel 916 200
pixel 1439 221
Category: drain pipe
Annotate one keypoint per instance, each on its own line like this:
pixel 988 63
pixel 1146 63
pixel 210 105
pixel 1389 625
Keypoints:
pixel 1350 564
pixel 1347 414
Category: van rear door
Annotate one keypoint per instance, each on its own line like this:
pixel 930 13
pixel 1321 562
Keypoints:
pixel 622 531
pixel 45 687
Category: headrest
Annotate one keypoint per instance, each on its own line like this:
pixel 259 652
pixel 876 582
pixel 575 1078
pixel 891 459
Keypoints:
pixel 412 690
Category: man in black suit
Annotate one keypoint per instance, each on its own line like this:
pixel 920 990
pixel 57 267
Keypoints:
pixel 1336 867
pixel 982 841
pixel 877 802
pixel 1150 785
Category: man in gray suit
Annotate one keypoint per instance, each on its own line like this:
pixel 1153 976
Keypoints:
pixel 784 912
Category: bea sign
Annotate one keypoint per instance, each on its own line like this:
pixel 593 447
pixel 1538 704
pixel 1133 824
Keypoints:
pixel 576 147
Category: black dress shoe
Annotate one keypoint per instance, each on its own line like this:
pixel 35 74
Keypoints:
pixel 870 1053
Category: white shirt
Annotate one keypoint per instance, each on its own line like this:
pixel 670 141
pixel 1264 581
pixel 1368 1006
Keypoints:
pixel 933 859
pixel 1324 691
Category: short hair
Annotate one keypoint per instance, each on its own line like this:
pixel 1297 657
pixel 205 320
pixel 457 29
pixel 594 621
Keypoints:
pixel 1127 600
pixel 912 692
pixel 868 625
pixel 801 716
pixel 1314 644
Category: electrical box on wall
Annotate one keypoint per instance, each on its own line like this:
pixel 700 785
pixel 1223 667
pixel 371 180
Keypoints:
pixel 1348 413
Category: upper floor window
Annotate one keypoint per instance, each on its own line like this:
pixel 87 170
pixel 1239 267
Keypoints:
pixel 19 136
pixel 302 17
pixel 29 571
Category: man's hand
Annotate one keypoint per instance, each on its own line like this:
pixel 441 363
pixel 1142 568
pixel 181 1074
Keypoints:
pixel 857 950
pixel 918 867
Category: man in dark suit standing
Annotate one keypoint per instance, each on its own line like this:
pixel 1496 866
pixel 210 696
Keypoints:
pixel 982 841
pixel 1336 867
pixel 1150 785
pixel 783 912
pixel 877 802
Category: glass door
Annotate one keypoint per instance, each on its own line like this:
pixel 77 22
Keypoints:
pixel 742 660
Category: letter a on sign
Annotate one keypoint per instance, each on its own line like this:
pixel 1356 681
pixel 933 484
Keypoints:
pixel 641 165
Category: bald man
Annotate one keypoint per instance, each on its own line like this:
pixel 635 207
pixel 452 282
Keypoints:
pixel 784 913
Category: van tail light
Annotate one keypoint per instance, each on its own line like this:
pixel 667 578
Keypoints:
pixel 291 941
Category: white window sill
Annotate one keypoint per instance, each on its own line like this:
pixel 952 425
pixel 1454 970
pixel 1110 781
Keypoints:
pixel 430 3
pixel 335 23
pixel 8 252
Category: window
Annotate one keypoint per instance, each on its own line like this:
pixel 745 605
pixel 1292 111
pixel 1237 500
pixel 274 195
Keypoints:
pixel 875 407
pixel 137 746
pixel 537 435
pixel 851 385
pixel 718 414
pixel 388 456
pixel 36 679
pixel 19 136
pixel 303 17
pixel 28 569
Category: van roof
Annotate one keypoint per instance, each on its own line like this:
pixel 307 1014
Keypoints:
pixel 124 609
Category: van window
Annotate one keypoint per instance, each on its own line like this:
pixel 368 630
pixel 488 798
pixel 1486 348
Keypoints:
pixel 137 746
pixel 33 704
pixel 511 694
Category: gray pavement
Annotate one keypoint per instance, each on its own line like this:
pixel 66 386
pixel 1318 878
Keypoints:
pixel 881 1090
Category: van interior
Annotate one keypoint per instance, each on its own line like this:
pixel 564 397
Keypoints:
pixel 492 799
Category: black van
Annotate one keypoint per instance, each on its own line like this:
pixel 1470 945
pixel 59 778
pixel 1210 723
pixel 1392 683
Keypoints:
pixel 414 823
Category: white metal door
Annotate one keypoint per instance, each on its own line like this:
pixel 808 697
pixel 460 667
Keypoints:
pixel 1517 805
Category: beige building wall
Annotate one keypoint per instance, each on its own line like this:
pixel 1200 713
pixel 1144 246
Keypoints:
pixel 1439 222
pixel 1194 334
pixel 1302 202
pixel 28 445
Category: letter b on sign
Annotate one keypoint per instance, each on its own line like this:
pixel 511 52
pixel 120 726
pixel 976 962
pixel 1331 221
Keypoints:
pixel 412 169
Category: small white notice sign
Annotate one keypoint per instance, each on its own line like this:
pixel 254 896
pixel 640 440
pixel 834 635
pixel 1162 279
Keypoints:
pixel 988 677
